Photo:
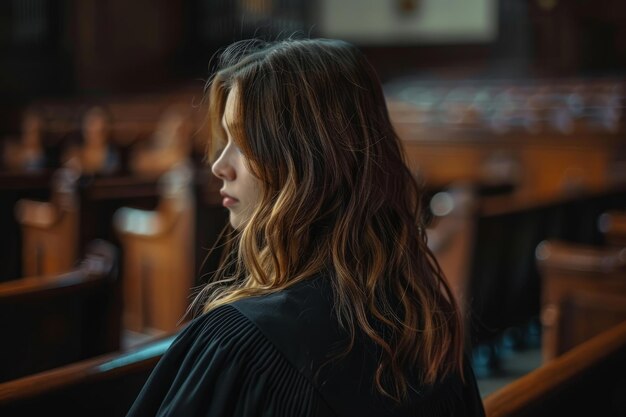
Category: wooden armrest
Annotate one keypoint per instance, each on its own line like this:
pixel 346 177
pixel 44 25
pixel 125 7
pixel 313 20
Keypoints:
pixel 34 285
pixel 561 255
pixel 37 214
pixel 99 264
pixel 83 373
pixel 556 380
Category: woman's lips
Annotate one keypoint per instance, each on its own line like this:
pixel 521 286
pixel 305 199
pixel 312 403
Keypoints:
pixel 228 201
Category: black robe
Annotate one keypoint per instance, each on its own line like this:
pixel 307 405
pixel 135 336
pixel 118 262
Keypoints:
pixel 277 355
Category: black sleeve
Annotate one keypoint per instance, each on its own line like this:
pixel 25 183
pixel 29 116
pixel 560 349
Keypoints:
pixel 472 395
pixel 222 365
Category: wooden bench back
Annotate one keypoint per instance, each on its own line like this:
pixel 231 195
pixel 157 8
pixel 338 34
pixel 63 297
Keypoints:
pixel 613 225
pixel 79 210
pixel 105 386
pixel 50 229
pixel 451 235
pixel 585 315
pixel 159 263
pixel 569 272
pixel 589 380
pixel 53 320
pixel 15 187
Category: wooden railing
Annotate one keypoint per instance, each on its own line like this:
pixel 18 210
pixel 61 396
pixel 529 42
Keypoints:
pixel 105 386
pixel 589 380
pixel 49 321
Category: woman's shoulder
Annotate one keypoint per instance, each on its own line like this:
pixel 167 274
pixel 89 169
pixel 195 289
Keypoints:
pixel 221 364
pixel 299 321
pixel 296 332
pixel 308 302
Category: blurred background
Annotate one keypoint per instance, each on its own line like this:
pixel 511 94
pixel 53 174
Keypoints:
pixel 511 113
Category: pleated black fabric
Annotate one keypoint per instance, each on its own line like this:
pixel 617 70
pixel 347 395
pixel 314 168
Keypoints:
pixel 273 356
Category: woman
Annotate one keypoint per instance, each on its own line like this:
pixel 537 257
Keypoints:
pixel 328 302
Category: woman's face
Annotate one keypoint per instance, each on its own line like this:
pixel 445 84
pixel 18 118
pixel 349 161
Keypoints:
pixel 240 189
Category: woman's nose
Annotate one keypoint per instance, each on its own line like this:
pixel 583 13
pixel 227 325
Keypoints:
pixel 222 169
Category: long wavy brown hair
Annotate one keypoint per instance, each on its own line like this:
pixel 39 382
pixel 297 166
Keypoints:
pixel 337 199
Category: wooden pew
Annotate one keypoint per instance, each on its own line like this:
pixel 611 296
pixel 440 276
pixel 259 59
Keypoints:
pixel 53 320
pixel 585 315
pixel 158 245
pixel 13 187
pixel 105 386
pixel 451 234
pixel 80 209
pixel 571 276
pixel 612 224
pixel 589 380
pixel 50 229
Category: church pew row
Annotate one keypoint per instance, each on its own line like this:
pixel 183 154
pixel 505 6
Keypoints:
pixel 80 209
pixel 583 293
pixel 516 299
pixel 505 279
pixel 49 321
pixel 159 245
pixel 131 125
pixel 105 386
pixel 589 380
pixel 39 203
